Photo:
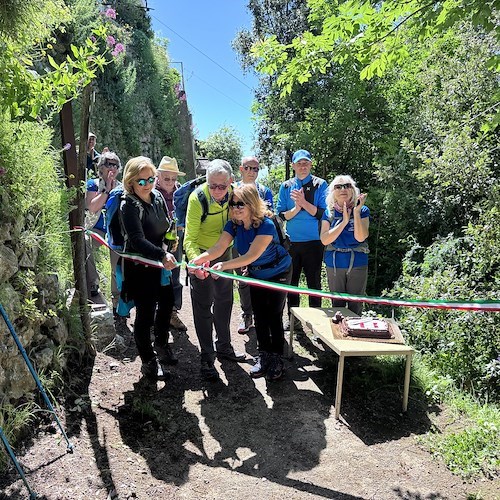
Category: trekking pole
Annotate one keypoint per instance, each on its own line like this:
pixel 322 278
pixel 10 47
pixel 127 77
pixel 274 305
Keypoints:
pixel 35 376
pixel 16 463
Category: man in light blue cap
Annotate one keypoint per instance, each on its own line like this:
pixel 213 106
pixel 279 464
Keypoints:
pixel 301 203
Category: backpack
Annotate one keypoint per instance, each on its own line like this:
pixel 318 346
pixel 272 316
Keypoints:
pixel 114 231
pixel 181 197
pixel 280 229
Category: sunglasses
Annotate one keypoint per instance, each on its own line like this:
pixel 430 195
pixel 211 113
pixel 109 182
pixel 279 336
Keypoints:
pixel 144 182
pixel 236 204
pixel 220 187
pixel 342 186
pixel 112 165
pixel 253 169
pixel 168 179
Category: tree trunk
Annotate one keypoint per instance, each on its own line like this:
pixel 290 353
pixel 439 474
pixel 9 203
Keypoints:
pixel 75 170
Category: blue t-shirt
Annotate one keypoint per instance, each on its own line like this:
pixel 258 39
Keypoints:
pixel 345 240
pixel 304 226
pixel 93 185
pixel 273 254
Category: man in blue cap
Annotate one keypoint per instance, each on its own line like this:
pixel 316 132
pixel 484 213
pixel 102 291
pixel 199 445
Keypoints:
pixel 301 203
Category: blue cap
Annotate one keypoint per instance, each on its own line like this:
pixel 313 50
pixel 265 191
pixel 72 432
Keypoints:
pixel 301 154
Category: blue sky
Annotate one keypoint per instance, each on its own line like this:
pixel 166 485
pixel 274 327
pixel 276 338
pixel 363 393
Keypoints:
pixel 214 97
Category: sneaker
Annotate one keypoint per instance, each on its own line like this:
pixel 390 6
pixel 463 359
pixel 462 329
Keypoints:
pixel 176 322
pixel 154 371
pixel 232 356
pixel 208 371
pixel 275 369
pixel 261 365
pixel 246 323
pixel 165 355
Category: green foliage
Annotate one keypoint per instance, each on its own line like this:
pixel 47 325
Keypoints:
pixel 35 197
pixel 364 33
pixel 136 108
pixel 473 448
pixel 460 345
pixel 225 144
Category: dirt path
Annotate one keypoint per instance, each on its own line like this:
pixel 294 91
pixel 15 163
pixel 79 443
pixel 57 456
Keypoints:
pixel 237 439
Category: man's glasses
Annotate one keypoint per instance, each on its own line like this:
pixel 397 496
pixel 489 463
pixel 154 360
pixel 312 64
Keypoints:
pixel 143 182
pixel 236 204
pixel 112 165
pixel 220 187
pixel 342 186
pixel 168 179
pixel 253 169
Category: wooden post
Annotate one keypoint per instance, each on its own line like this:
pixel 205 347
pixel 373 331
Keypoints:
pixel 75 170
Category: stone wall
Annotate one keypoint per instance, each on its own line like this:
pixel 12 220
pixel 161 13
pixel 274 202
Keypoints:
pixel 38 324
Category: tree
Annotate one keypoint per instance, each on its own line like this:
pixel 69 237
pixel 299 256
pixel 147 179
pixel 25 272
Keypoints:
pixel 368 33
pixel 225 144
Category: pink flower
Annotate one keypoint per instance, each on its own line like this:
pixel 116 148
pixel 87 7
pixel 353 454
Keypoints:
pixel 111 13
pixel 67 147
pixel 93 38
pixel 118 48
pixel 110 40
pixel 2 171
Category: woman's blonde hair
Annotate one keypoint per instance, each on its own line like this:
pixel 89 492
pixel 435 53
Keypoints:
pixel 133 170
pixel 249 195
pixel 341 179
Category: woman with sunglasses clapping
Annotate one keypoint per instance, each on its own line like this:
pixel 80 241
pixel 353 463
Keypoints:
pixel 258 244
pixel 144 218
pixel 344 231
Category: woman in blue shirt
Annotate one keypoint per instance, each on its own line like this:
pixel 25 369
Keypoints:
pixel 258 244
pixel 344 231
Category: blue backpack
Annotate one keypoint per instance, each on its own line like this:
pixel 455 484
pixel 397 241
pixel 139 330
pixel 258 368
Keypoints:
pixel 114 231
pixel 181 197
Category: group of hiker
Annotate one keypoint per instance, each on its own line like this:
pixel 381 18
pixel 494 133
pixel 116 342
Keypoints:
pixel 229 226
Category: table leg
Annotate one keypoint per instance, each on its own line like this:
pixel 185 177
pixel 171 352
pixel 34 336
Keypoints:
pixel 290 340
pixel 340 379
pixel 406 387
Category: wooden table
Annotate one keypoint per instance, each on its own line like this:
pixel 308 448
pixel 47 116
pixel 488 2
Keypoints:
pixel 318 320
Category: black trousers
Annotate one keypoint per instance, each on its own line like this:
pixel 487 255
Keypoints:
pixel 152 311
pixel 268 308
pixel 306 256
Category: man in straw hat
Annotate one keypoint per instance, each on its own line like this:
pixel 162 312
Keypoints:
pixel 167 174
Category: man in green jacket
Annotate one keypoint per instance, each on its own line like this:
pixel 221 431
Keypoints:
pixel 203 228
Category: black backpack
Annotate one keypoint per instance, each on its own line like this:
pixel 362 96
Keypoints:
pixel 280 229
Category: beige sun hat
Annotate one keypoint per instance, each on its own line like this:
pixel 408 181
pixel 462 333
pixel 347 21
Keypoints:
pixel 168 164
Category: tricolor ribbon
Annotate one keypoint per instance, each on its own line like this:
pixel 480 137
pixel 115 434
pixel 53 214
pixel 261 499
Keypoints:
pixel 474 305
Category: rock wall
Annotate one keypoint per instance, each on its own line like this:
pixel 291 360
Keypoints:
pixel 36 321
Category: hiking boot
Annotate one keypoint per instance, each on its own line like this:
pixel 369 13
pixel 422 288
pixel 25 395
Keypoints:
pixel 246 323
pixel 275 369
pixel 153 370
pixel 261 365
pixel 208 371
pixel 165 355
pixel 232 356
pixel 176 322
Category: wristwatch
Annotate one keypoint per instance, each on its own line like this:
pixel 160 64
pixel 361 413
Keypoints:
pixel 105 191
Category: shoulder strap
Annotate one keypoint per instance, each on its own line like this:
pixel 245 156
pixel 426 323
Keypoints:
pixel 202 198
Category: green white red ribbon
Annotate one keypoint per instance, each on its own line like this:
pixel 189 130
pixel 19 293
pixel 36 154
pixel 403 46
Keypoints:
pixel 475 305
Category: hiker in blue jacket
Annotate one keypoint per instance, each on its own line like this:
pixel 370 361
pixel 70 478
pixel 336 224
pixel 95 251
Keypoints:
pixel 344 231
pixel 260 250
pixel 301 203
pixel 98 189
